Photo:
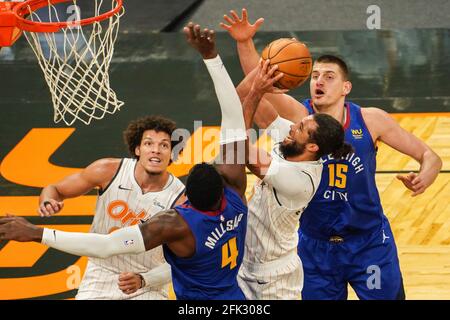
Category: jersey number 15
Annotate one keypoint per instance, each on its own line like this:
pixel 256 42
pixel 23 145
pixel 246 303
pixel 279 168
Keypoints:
pixel 338 175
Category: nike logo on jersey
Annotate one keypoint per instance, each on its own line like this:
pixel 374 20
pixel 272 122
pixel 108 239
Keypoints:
pixel 262 282
pixel 385 237
pixel 123 188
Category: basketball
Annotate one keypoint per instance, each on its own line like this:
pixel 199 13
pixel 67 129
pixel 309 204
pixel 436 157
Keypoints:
pixel 293 59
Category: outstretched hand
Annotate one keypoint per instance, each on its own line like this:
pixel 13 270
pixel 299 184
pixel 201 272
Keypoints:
pixel 202 41
pixel 240 29
pixel 414 182
pixel 265 79
pixel 18 229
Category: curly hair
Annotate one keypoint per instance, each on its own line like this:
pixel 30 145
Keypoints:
pixel 330 137
pixel 136 128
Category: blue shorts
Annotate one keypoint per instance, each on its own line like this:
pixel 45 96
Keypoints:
pixel 368 263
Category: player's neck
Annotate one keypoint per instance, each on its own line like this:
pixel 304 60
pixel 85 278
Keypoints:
pixel 151 182
pixel 336 110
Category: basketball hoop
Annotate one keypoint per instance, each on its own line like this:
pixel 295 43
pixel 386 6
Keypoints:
pixel 75 55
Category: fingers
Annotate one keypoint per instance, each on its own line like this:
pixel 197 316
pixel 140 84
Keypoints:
pixel 228 19
pixel 235 16
pixel 128 282
pixel 125 276
pixel 280 91
pixel 225 26
pixel 413 182
pixel 128 289
pixel 125 285
pixel 5 228
pixel 258 23
pixel 269 72
pixel 265 66
pixel 189 30
pixel 272 70
pixel 400 177
pixel 193 33
pixel 411 176
pixel 419 191
pixel 419 186
pixel 197 31
pixel 7 220
pixel 244 14
pixel 277 77
pixel 50 207
pixel 416 179
pixel 267 78
pixel 212 36
pixel 405 181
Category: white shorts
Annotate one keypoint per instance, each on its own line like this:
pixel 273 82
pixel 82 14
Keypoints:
pixel 101 284
pixel 281 279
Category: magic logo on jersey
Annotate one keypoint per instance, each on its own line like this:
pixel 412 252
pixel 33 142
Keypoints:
pixel 119 210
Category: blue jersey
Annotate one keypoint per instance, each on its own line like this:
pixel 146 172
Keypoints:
pixel 211 273
pixel 347 200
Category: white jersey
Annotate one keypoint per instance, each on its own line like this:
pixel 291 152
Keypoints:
pixel 273 220
pixel 123 204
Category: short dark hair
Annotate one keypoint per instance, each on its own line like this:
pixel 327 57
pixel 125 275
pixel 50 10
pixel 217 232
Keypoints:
pixel 329 135
pixel 204 186
pixel 136 128
pixel 328 58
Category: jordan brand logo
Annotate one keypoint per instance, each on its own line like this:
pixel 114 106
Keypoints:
pixel 385 237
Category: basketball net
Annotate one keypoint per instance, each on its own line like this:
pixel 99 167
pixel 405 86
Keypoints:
pixel 76 62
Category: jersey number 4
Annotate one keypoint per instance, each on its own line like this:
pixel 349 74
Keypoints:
pixel 338 175
pixel 230 254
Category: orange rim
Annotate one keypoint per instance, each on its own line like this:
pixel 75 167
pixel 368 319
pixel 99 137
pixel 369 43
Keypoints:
pixel 23 9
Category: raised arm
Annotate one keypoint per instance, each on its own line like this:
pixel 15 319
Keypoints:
pixel 241 30
pixel 384 128
pixel 231 160
pixel 262 82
